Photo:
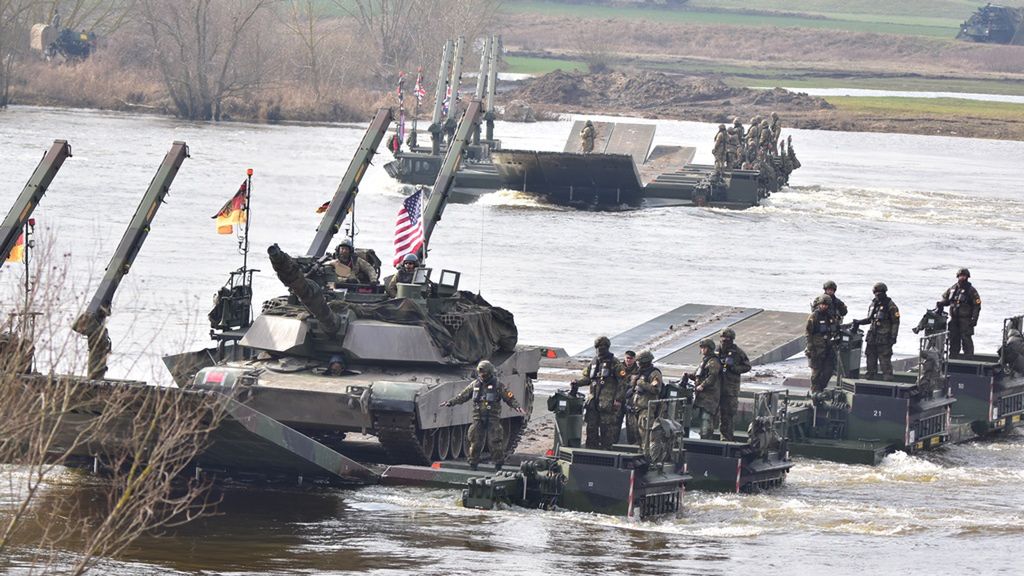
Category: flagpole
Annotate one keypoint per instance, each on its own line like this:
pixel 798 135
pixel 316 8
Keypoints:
pixel 29 225
pixel 248 213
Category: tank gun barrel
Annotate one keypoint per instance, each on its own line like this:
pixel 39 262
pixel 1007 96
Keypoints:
pixel 307 291
pixel 91 322
pixel 446 176
pixel 349 187
pixel 30 196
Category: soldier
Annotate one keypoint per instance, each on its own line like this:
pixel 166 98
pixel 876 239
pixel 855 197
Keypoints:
pixel 405 274
pixel 629 411
pixel 884 318
pixel 707 392
pixel 741 141
pixel 350 267
pixel 964 307
pixel 719 151
pixel 764 144
pixel 837 309
pixel 487 394
pixel 821 354
pixel 649 383
pixel 587 136
pixel 1012 353
pixel 776 128
pixel 753 137
pixel 791 154
pixel 734 362
pixel 606 377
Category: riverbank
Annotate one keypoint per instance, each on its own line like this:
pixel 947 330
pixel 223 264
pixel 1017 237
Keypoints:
pixel 643 94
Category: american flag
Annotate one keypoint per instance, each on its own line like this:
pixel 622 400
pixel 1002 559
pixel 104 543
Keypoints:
pixel 447 100
pixel 418 90
pixel 409 227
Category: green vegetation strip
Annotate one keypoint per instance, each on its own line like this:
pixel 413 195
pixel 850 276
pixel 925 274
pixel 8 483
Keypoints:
pixel 854 23
pixel 929 107
pixel 531 65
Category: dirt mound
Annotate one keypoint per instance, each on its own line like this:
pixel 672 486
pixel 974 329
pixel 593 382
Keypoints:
pixel 656 94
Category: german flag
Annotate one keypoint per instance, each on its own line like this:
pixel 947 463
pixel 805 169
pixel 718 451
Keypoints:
pixel 232 213
pixel 323 207
pixel 18 252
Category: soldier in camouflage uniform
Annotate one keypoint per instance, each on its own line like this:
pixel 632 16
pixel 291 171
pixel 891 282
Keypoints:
pixel 964 307
pixel 587 136
pixel 349 267
pixel 776 128
pixel 487 394
pixel 753 139
pixel 629 411
pixel 821 353
pixel 1012 353
pixel 720 149
pixel 606 377
pixel 837 309
pixel 734 362
pixel 740 137
pixel 648 387
pixel 764 144
pixel 884 318
pixel 707 393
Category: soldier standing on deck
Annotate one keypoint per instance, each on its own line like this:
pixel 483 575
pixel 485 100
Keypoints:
pixel 707 392
pixel 649 383
pixel 720 149
pixel 587 136
pixel 741 141
pixel 884 318
pixel 821 353
pixel 606 377
pixel 629 411
pixel 964 307
pixel 776 128
pixel 487 394
pixel 734 362
pixel 837 309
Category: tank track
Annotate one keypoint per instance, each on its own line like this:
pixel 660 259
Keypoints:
pixel 399 438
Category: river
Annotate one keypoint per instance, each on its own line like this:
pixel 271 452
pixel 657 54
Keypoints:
pixel 907 210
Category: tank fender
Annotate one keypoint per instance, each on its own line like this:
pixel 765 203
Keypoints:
pixel 394 396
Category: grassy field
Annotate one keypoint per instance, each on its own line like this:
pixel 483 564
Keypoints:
pixel 740 14
pixel 531 65
pixel 930 107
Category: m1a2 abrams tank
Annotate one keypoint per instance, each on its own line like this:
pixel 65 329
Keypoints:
pixel 995 25
pixel 331 359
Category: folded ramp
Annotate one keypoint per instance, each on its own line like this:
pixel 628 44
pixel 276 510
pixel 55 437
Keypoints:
pixel 765 335
pixel 624 138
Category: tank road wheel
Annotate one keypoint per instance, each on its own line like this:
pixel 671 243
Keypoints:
pixel 458 435
pixel 444 448
pixel 465 440
pixel 428 443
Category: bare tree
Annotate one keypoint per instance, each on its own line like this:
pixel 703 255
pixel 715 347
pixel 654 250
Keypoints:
pixel 143 437
pixel 13 24
pixel 305 19
pixel 101 16
pixel 205 50
pixel 409 33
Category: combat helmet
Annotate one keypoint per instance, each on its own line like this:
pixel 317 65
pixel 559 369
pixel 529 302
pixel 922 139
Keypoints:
pixel 721 127
pixel 645 358
pixel 829 284
pixel 823 299
pixel 485 369
pixel 708 343
pixel 410 258
pixel 347 242
pixel 729 333
pixel 879 287
pixel 736 121
pixel 963 272
pixel 602 342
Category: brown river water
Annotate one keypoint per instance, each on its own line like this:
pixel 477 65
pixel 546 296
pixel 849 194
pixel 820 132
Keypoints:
pixel 906 210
